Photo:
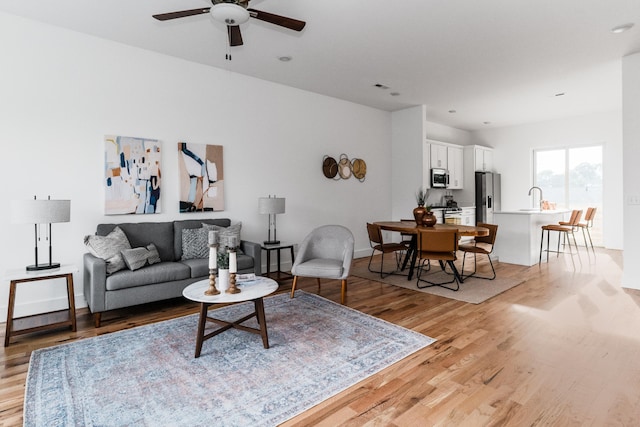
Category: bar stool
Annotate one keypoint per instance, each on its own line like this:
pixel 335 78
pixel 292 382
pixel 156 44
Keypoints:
pixel 586 225
pixel 566 231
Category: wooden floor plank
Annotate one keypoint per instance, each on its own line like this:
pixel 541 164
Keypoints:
pixel 560 349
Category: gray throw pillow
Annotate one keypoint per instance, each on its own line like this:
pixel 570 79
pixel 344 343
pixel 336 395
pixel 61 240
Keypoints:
pixel 195 243
pixel 109 248
pixel 139 257
pixel 224 234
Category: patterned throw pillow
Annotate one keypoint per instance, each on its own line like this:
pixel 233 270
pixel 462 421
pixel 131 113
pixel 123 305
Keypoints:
pixel 224 234
pixel 195 243
pixel 109 248
pixel 139 257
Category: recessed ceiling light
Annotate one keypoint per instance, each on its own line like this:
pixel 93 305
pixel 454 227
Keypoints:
pixel 452 111
pixel 559 94
pixel 622 28
pixel 487 123
pixel 381 86
pixel 394 93
pixel 285 58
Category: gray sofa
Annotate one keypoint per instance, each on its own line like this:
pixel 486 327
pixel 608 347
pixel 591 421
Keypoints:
pixel 159 281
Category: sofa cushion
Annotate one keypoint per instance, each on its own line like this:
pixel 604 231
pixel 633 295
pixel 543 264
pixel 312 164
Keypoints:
pixel 178 226
pixel 109 247
pixel 139 257
pixel 225 234
pixel 143 233
pixel 149 275
pixel 194 244
pixel 200 267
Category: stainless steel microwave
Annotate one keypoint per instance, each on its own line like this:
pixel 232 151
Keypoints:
pixel 439 178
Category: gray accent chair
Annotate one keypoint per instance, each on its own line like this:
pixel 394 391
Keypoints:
pixel 326 253
pixel 165 280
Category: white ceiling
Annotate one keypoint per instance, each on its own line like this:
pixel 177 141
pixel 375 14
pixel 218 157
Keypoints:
pixel 497 61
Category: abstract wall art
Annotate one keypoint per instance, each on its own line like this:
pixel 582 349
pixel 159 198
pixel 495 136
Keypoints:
pixel 201 173
pixel 132 175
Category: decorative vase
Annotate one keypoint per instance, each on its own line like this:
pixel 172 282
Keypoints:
pixel 418 214
pixel 223 279
pixel 429 219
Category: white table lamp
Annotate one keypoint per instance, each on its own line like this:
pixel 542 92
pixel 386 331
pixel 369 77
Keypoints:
pixel 271 206
pixel 37 212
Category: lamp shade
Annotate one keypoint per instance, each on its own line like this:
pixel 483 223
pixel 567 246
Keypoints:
pixel 44 211
pixel 271 205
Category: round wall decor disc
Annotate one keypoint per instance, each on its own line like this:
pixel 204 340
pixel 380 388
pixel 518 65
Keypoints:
pixel 329 167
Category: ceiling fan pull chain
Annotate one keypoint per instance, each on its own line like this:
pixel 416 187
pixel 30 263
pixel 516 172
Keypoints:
pixel 227 56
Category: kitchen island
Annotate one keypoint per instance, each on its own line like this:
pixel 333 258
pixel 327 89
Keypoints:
pixel 519 234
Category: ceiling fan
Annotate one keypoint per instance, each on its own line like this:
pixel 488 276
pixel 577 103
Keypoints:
pixel 233 13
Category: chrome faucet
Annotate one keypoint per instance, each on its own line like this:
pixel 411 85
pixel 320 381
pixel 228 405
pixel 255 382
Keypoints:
pixel 540 190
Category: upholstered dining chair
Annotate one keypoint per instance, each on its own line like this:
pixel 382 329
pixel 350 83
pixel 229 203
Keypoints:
pixel 378 245
pixel 480 245
pixel 441 246
pixel 326 253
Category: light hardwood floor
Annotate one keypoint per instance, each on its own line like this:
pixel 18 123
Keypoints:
pixel 563 348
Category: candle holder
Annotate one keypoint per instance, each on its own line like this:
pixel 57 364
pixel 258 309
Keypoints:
pixel 212 290
pixel 213 262
pixel 233 267
pixel 232 284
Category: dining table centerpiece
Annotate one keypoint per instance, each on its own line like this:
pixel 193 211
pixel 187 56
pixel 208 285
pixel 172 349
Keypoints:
pixel 419 212
pixel 429 219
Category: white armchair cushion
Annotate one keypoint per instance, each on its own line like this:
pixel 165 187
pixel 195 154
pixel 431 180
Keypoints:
pixel 323 268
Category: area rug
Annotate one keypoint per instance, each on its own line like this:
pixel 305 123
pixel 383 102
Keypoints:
pixel 472 290
pixel 148 375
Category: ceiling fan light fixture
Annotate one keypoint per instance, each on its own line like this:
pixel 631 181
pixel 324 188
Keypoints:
pixel 229 13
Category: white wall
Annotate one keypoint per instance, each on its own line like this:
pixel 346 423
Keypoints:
pixel 513 159
pixel 410 129
pixel 63 91
pixel 443 133
pixel 406 160
pixel 631 155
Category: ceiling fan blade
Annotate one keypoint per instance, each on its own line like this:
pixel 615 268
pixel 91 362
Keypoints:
pixel 235 37
pixel 181 14
pixel 283 21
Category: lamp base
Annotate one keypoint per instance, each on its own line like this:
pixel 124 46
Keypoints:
pixel 271 242
pixel 40 267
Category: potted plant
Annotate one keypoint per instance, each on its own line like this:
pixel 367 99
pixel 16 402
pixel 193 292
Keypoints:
pixel 421 198
pixel 223 270
pixel 223 259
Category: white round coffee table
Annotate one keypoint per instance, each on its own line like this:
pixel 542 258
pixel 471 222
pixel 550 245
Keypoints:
pixel 251 290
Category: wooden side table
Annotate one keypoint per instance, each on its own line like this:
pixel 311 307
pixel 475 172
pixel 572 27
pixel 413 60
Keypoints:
pixel 35 323
pixel 278 247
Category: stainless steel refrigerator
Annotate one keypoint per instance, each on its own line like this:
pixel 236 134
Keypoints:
pixel 487 196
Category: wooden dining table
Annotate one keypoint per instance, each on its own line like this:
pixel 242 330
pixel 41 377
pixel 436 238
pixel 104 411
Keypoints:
pixel 410 227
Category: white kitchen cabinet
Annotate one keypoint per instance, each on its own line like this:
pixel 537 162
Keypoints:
pixel 455 165
pixel 483 159
pixel 439 156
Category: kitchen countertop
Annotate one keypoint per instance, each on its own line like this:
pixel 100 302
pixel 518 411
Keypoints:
pixel 536 212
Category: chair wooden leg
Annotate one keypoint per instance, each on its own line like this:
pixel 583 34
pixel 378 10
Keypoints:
pixel 318 279
pixel 96 319
pixel 293 285
pixel 343 293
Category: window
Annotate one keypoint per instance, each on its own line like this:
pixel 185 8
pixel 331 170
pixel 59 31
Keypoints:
pixel 572 178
